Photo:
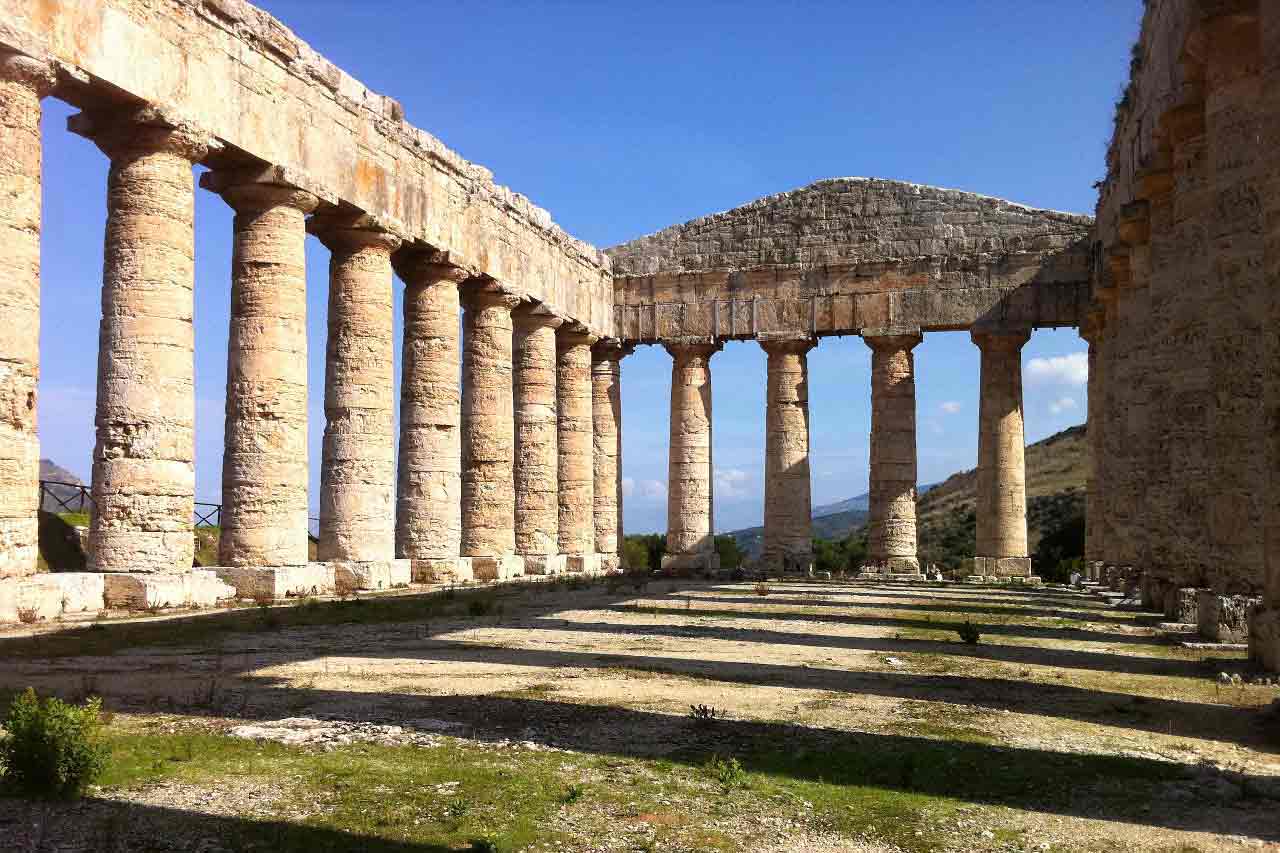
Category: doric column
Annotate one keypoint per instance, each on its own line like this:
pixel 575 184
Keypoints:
pixel 1094 547
pixel 357 478
pixel 788 528
pixel 488 444
pixel 264 461
pixel 576 475
pixel 1002 475
pixel 429 480
pixel 537 503
pixel 23 82
pixel 143 464
pixel 892 545
pixel 606 427
pixel 690 473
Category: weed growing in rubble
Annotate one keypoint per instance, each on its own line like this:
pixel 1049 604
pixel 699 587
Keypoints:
pixel 762 589
pixel 727 771
pixel 705 714
pixel 969 633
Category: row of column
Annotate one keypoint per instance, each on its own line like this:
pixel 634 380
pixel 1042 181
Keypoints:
pixel 892 542
pixel 521 463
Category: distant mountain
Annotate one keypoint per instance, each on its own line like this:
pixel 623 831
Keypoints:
pixel 861 503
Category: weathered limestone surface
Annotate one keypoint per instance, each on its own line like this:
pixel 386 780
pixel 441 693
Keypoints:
pixel 788 530
pixel 256 86
pixel 264 463
pixel 849 254
pixel 690 474
pixel 279 582
pixel 143 464
pixel 891 545
pixel 357 480
pixel 193 588
pixel 576 442
pixel 429 484
pixel 488 442
pixel 537 504
pixel 23 82
pixel 1001 488
pixel 606 417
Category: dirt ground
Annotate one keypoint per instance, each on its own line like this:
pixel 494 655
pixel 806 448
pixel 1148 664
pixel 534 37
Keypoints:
pixel 1057 676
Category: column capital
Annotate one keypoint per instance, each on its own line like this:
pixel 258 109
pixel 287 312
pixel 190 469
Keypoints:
pixel 574 335
pixel 1095 322
pixel 417 265
pixel 891 339
pixel 782 346
pixel 251 197
pixel 37 74
pixel 142 131
pixel 342 230
pixel 608 350
pixel 1000 340
pixel 487 293
pixel 687 351
pixel 536 316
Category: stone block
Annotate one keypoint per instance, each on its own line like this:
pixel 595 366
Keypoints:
pixel 1000 567
pixel 1264 638
pixel 610 564
pixel 1180 604
pixel 544 564
pixel 691 562
pixel 1224 618
pixel 29 599
pixel 372 575
pixel 586 564
pixel 453 570
pixel 151 590
pixel 81 592
pixel 277 582
pixel 499 568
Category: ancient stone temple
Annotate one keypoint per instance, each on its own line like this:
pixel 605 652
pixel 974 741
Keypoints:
pixel 510 420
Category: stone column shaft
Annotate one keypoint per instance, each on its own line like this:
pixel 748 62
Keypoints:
pixel 357 480
pixel 143 463
pixel 537 502
pixel 488 442
pixel 691 473
pixel 429 481
pixel 264 464
pixel 788 527
pixel 892 545
pixel 23 82
pixel 576 474
pixel 1094 548
pixel 606 417
pixel 1002 475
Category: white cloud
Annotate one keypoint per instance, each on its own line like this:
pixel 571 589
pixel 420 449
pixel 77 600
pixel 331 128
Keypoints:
pixel 628 487
pixel 732 483
pixel 1062 404
pixel 1070 369
pixel 950 407
pixel 651 489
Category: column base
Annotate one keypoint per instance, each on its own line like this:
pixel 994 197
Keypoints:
pixel 151 590
pixel 890 567
pixel 441 570
pixel 1224 618
pixel 1264 638
pixel 787 564
pixel 544 564
pixel 610 564
pixel 699 561
pixel 999 567
pixel 371 575
pixel 273 583
pixel 500 568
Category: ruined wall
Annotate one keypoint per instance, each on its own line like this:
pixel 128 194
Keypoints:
pixel 245 78
pixel 1180 484
pixel 848 254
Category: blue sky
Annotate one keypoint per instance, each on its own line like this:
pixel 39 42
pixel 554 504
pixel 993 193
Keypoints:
pixel 623 119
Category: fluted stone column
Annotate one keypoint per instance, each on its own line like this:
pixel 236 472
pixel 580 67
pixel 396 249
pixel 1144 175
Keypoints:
pixel 143 463
pixel 892 545
pixel 537 503
pixel 429 480
pixel 1002 475
pixel 788 527
pixel 23 82
pixel 606 418
pixel 577 444
pixel 488 443
pixel 357 480
pixel 691 472
pixel 1094 547
pixel 264 462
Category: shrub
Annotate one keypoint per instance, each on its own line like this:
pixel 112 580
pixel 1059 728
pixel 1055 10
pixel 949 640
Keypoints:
pixel 52 749
pixel 762 589
pixel 705 714
pixel 969 633
pixel 478 607
pixel 727 771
